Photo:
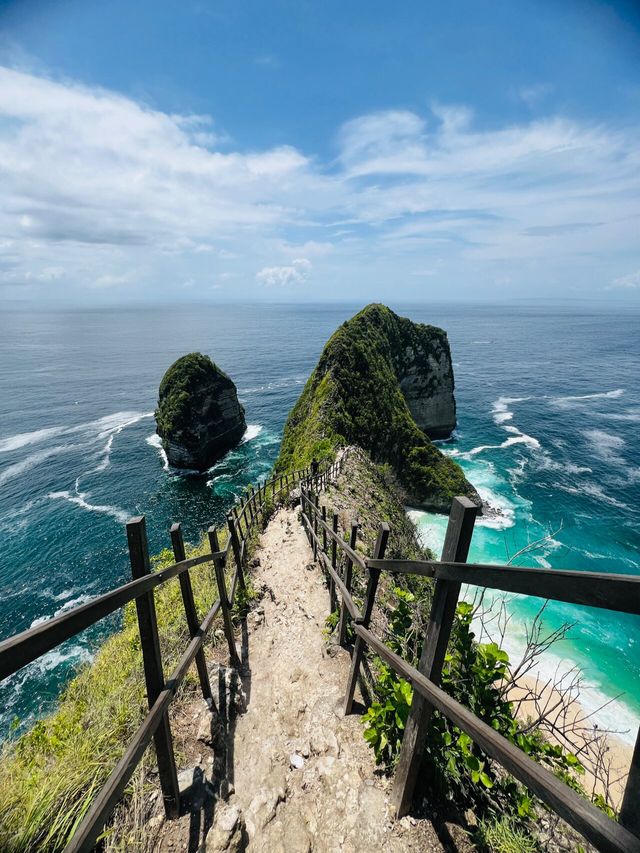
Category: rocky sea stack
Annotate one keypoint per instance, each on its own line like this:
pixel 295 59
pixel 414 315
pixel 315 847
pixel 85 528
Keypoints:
pixel 385 384
pixel 199 416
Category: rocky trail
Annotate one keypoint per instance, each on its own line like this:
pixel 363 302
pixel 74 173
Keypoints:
pixel 283 769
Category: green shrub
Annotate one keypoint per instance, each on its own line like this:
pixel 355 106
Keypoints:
pixel 456 768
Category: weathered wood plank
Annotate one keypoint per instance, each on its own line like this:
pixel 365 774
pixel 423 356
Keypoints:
pixel 86 836
pixel 630 811
pixel 445 598
pixel 372 586
pixel 27 646
pixel 237 554
pixel 152 662
pixel 348 600
pixel 193 624
pixel 604 833
pixel 353 555
pixel 224 600
pixel 333 603
pixel 348 572
pixel 594 589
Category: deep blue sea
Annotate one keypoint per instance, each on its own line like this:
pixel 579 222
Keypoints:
pixel 548 413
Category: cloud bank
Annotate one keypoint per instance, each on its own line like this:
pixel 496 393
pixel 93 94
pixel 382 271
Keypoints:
pixel 100 194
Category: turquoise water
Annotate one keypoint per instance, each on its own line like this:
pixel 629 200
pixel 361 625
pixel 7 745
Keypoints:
pixel 548 406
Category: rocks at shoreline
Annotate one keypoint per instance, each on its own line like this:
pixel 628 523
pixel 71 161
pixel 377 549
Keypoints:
pixel 199 416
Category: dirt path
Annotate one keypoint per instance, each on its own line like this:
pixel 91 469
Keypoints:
pixel 301 774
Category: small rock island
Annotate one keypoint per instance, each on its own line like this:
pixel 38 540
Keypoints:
pixel 199 416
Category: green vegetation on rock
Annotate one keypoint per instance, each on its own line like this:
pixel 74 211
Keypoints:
pixel 198 416
pixel 354 396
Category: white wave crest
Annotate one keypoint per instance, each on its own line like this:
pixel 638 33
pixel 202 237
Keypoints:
pixel 30 462
pixel 500 408
pixel 24 439
pixel 580 399
pixel 79 499
pixel 521 438
pixel 498 513
pixel 105 425
pixel 68 605
pixel 593 490
pixel 154 440
pixel 252 431
pixel 606 445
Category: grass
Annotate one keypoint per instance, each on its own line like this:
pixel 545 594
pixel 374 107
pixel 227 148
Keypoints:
pixel 503 835
pixel 49 776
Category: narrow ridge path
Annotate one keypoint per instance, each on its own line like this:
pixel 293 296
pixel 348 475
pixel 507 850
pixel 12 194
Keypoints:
pixel 303 777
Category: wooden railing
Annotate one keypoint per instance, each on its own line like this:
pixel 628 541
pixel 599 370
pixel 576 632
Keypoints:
pixel 609 591
pixel 21 649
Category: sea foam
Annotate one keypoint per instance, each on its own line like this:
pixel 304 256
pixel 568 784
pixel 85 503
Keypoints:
pixel 79 499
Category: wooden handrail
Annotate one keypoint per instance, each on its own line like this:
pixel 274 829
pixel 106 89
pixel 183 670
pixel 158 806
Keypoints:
pixel 27 646
pixel 594 589
pixel 23 648
pixel 606 834
pixel 89 830
pixel 615 592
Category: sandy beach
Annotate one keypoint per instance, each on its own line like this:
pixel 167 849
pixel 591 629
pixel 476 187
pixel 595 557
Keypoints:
pixel 606 757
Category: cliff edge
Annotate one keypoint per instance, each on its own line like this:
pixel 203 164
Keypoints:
pixel 385 384
pixel 199 416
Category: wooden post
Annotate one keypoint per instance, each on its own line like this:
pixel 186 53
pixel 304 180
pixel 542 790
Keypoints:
pixel 333 603
pixel 152 659
pixel 372 586
pixel 445 599
pixel 316 501
pixel 248 503
pixel 236 518
pixel 237 550
pixel 348 571
pixel 190 608
pixel 630 811
pixel 222 592
pixel 324 529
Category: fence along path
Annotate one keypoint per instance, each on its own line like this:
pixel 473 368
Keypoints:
pixel 608 591
pixel 21 649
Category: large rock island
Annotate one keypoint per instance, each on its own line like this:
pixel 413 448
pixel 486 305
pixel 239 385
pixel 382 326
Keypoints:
pixel 199 416
pixel 385 384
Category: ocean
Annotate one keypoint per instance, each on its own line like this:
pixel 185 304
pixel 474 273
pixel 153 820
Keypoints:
pixel 548 411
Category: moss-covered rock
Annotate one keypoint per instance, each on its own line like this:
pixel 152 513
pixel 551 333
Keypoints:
pixel 199 416
pixel 379 374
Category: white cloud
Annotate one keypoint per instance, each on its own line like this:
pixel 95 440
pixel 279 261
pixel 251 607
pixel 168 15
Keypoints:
pixel 626 282
pixel 111 191
pixel 296 273
pixel 535 94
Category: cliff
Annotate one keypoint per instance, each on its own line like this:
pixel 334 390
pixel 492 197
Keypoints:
pixel 385 384
pixel 199 416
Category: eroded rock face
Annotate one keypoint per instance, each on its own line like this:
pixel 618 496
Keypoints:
pixel 199 416
pixel 426 380
pixel 384 384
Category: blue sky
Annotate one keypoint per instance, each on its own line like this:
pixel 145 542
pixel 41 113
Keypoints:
pixel 308 151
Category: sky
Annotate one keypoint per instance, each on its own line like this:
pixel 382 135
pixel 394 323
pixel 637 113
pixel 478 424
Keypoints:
pixel 264 150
